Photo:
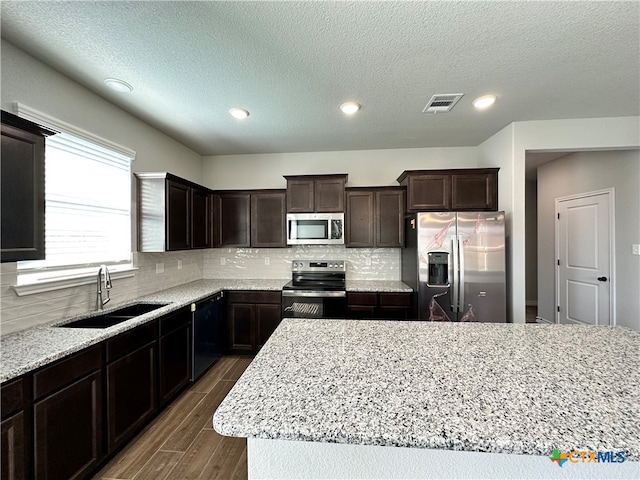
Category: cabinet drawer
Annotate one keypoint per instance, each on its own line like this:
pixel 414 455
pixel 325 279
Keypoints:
pixel 13 397
pixel 395 299
pixel 66 371
pixel 129 341
pixel 174 321
pixel 254 297
pixel 362 298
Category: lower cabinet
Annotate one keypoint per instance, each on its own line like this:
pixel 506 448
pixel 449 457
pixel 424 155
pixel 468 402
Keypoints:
pixel 174 354
pixel 15 426
pixel 251 319
pixel 131 384
pixel 67 416
pixel 372 305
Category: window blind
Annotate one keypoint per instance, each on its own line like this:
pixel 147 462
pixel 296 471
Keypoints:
pixel 87 204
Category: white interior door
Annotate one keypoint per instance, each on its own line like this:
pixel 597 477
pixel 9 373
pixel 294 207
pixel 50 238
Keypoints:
pixel 584 257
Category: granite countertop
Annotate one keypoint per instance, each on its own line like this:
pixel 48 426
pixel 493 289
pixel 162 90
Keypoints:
pixel 26 350
pixel 499 388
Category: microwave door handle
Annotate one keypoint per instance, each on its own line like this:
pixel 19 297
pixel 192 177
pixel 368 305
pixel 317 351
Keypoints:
pixel 293 229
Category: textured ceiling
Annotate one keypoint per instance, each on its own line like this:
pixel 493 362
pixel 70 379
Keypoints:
pixel 292 63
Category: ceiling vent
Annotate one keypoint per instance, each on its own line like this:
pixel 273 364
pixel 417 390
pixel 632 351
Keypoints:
pixel 442 103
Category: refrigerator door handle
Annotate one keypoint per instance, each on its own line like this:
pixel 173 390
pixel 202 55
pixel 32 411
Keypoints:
pixel 460 245
pixel 454 283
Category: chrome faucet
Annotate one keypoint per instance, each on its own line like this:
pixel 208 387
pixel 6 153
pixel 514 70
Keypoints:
pixel 100 302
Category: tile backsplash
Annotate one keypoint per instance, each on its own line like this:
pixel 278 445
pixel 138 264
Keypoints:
pixel 362 263
pixel 159 271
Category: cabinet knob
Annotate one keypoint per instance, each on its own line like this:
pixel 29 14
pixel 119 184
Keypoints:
pixel 602 279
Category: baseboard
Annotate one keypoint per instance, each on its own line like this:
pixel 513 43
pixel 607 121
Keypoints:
pixel 543 320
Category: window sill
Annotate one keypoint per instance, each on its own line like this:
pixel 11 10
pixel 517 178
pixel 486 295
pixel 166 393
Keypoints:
pixel 68 282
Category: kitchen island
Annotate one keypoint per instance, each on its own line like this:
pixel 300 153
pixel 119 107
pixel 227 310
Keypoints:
pixel 389 399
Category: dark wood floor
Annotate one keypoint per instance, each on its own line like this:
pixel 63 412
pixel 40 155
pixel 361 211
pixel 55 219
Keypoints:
pixel 180 443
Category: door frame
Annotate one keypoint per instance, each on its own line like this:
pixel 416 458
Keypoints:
pixel 612 247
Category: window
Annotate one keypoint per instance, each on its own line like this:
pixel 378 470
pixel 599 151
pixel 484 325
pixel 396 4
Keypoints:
pixel 87 210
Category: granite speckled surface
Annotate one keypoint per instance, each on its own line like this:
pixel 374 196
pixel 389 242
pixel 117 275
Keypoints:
pixel 389 286
pixel 500 388
pixel 26 350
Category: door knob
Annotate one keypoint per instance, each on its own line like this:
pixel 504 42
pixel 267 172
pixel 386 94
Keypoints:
pixel 602 279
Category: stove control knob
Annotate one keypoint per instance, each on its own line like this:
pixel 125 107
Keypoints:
pixel 342 265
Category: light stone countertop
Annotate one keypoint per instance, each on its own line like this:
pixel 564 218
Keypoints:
pixel 499 388
pixel 27 350
pixel 387 286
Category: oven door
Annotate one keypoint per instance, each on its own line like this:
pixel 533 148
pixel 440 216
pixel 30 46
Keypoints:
pixel 313 304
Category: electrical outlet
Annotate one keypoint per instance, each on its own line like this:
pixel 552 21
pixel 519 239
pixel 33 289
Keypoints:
pixel 159 268
pixel 267 261
pixel 223 261
pixel 179 264
pixel 635 249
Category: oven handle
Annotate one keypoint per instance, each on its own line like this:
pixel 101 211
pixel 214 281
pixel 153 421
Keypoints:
pixel 308 293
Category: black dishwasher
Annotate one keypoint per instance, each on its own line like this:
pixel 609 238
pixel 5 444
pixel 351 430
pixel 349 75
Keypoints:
pixel 208 335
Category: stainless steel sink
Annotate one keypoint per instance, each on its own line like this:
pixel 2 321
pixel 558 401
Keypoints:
pixel 114 317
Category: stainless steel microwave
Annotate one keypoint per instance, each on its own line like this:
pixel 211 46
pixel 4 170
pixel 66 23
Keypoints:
pixel 315 229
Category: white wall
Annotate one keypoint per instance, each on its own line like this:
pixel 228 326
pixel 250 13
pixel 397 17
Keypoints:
pixel 29 81
pixel 507 149
pixel 587 172
pixel 365 167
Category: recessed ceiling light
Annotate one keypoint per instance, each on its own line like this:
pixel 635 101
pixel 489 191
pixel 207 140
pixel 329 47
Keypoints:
pixel 239 113
pixel 349 108
pixel 484 102
pixel 118 85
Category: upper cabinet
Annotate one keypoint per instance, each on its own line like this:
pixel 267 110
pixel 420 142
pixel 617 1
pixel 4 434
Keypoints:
pixel 173 213
pixel 315 193
pixel 22 189
pixel 456 190
pixel 375 217
pixel 253 218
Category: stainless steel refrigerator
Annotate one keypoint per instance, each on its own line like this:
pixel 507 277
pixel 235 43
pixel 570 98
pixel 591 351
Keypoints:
pixel 455 262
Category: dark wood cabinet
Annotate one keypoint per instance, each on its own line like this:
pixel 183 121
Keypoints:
pixel 16 428
pixel 455 190
pixel 173 213
pixel 67 416
pixel 201 219
pixel 383 305
pixel 131 383
pixel 268 219
pixel 315 193
pixel 22 189
pixel 252 218
pixel 178 223
pixel 174 354
pixel 232 217
pixel 374 217
pixel 251 319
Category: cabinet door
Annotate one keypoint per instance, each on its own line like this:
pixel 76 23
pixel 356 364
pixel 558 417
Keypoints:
pixel 268 219
pixel 178 214
pixel 359 231
pixel 300 195
pixel 268 317
pixel 174 362
pixel 68 426
pixel 242 328
pixel 131 394
pixel 22 192
pixel 234 220
pixel 389 218
pixel 13 443
pixel 474 191
pixel 329 196
pixel 200 219
pixel 429 192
